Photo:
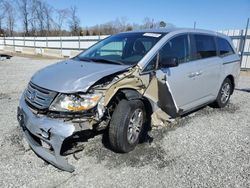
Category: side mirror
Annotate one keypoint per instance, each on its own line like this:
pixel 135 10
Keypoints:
pixel 168 62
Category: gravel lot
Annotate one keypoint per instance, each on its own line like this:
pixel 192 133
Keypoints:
pixel 208 148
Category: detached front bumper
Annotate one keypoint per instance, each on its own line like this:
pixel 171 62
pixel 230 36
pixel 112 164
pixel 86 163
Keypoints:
pixel 41 131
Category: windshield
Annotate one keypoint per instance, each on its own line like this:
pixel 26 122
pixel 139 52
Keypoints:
pixel 123 48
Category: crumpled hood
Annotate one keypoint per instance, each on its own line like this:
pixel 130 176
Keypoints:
pixel 73 76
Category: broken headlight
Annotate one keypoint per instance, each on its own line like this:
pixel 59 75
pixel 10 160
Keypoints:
pixel 74 103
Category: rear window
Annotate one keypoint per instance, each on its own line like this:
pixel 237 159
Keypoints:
pixel 224 47
pixel 205 46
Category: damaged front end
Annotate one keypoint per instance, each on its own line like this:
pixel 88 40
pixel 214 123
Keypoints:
pixel 47 129
pixel 50 119
pixel 45 135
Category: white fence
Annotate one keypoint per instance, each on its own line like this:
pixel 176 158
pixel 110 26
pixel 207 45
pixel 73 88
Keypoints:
pixel 70 46
pixel 55 46
pixel 238 38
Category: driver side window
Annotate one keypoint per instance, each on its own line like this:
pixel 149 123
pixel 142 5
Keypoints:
pixel 178 48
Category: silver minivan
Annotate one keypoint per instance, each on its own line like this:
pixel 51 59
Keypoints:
pixel 125 84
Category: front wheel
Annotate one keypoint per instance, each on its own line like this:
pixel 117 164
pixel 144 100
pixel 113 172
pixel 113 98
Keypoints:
pixel 224 94
pixel 126 125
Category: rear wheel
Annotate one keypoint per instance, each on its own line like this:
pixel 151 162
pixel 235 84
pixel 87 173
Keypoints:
pixel 126 125
pixel 224 94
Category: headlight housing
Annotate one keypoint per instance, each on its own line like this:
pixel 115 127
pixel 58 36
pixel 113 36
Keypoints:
pixel 74 102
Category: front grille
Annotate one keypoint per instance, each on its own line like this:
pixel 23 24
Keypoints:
pixel 38 97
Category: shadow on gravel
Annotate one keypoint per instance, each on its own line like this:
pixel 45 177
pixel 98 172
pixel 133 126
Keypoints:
pixel 15 141
pixel 5 56
pixel 150 152
pixel 209 110
pixel 144 154
pixel 245 90
pixel 230 108
pixel 4 96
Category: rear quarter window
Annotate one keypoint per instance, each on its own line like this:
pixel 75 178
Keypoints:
pixel 205 46
pixel 224 47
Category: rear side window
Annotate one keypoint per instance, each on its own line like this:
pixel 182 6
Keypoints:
pixel 205 46
pixel 224 47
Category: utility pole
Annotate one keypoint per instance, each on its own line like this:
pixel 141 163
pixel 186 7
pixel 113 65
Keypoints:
pixel 244 42
pixel 194 24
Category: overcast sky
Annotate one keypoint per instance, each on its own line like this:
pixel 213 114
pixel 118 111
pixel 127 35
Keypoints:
pixel 209 14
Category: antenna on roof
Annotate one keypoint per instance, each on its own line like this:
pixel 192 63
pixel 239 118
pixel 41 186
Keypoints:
pixel 194 24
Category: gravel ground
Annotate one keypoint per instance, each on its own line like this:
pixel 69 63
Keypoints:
pixel 208 148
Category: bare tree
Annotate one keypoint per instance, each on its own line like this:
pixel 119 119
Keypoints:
pixel 121 24
pixel 60 19
pixel 136 26
pixel 111 27
pixel 23 6
pixel 10 17
pixel 39 15
pixel 2 16
pixel 48 12
pixel 129 28
pixel 39 18
pixel 33 23
pixel 148 23
pixel 74 21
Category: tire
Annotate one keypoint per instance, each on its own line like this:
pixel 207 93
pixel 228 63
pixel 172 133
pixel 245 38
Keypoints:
pixel 126 125
pixel 224 94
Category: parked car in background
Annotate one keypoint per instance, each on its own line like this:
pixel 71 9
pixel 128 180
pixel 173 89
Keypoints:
pixel 125 83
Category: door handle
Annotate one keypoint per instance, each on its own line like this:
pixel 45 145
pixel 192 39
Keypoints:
pixel 198 73
pixel 194 74
pixel 191 75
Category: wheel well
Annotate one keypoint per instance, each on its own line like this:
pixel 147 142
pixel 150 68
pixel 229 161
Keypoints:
pixel 231 78
pixel 132 94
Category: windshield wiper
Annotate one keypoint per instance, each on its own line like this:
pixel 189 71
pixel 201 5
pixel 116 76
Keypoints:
pixel 83 59
pixel 99 60
pixel 106 61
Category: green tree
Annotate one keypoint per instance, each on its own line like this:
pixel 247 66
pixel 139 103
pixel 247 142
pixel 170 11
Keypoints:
pixel 162 24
